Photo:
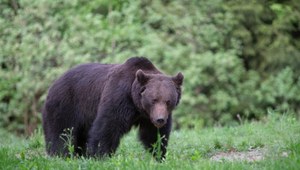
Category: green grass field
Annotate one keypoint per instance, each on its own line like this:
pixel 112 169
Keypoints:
pixel 277 138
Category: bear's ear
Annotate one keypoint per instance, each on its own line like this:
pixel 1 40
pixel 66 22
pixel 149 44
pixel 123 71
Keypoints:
pixel 178 79
pixel 141 77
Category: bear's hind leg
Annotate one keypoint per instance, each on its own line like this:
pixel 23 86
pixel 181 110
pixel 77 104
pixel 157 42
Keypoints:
pixel 56 147
pixel 81 141
pixel 60 138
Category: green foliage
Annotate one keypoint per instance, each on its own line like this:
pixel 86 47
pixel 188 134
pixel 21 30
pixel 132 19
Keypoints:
pixel 237 59
pixel 68 139
pixel 157 150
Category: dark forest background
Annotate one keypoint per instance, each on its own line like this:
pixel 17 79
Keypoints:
pixel 240 59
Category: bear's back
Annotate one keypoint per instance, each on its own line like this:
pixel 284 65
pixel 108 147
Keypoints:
pixel 79 88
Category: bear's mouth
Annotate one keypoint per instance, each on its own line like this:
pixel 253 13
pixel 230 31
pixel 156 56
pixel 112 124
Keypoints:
pixel 158 122
pixel 158 125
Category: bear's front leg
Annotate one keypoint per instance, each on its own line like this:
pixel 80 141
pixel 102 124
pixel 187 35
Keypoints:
pixel 104 136
pixel 149 134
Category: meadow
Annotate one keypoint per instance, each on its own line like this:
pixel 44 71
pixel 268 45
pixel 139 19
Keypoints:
pixel 237 59
pixel 275 141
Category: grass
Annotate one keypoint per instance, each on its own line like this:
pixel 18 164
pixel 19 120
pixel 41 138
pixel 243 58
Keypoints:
pixel 188 149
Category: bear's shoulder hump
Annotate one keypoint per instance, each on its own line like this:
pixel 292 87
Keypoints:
pixel 140 63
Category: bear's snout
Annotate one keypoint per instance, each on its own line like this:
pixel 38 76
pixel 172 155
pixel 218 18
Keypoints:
pixel 159 115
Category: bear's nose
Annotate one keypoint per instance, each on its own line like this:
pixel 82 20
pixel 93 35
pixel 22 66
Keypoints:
pixel 160 121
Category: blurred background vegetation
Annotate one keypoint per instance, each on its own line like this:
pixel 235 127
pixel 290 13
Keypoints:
pixel 239 58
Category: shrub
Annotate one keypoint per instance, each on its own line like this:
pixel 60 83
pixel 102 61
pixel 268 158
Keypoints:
pixel 237 60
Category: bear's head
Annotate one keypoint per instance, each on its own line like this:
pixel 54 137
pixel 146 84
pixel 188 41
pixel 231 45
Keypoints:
pixel 156 95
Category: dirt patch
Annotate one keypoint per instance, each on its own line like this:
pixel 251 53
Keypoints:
pixel 249 156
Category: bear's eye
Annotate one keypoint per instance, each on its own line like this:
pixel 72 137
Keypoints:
pixel 154 101
pixel 168 102
pixel 142 90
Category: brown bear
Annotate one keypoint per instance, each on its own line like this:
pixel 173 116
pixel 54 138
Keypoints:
pixel 101 102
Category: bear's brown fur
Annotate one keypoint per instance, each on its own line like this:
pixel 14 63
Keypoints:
pixel 101 102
